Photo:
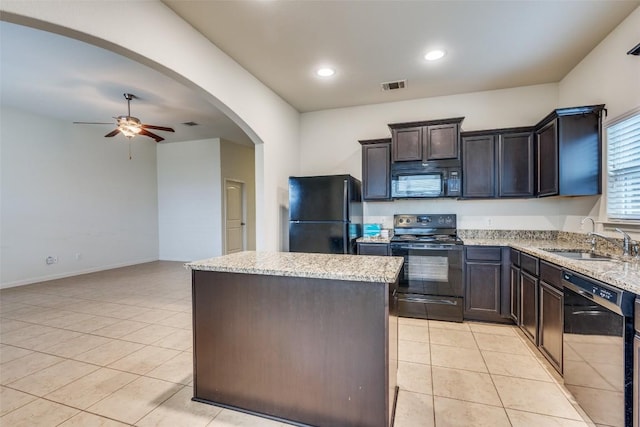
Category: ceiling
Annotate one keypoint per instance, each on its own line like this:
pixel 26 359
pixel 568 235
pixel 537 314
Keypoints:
pixel 73 81
pixel 489 44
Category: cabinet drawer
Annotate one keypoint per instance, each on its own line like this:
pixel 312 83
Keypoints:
pixel 476 253
pixel 529 264
pixel 382 249
pixel 551 274
pixel 515 257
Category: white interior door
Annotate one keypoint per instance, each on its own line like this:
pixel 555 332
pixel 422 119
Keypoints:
pixel 234 217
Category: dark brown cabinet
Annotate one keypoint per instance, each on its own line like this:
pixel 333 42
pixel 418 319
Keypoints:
pixel 529 306
pixel 515 164
pixel 529 284
pixel 425 141
pixel 441 142
pixel 383 249
pixel 498 163
pixel 569 152
pixel 376 163
pixel 551 321
pixel 486 295
pixel 514 286
pixel 478 166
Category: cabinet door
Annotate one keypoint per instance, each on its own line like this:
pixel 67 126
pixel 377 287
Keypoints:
pixel 515 165
pixel 382 249
pixel 407 144
pixel 376 159
pixel 441 142
pixel 514 282
pixel 529 306
pixel 551 324
pixel 478 166
pixel 482 291
pixel 547 153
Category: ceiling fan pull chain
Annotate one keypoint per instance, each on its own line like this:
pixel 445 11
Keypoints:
pixel 130 149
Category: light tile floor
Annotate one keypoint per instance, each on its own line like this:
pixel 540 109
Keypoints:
pixel 114 348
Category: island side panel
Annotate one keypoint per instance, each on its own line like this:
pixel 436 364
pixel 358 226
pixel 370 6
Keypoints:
pixel 313 351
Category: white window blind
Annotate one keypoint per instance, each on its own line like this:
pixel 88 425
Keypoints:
pixel 623 166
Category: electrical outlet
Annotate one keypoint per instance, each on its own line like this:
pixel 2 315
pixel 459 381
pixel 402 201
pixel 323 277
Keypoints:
pixel 51 260
pixel 78 256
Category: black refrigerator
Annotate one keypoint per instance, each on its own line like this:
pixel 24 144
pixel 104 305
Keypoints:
pixel 325 214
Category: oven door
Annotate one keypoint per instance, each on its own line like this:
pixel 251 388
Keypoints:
pixel 430 283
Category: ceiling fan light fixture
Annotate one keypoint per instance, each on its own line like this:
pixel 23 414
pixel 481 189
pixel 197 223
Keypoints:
pixel 129 126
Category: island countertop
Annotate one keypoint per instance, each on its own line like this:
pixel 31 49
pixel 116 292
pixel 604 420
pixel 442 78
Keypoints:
pixel 383 269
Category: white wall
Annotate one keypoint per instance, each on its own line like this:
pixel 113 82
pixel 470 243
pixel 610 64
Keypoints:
pixel 165 42
pixel 237 162
pixel 189 194
pixel 606 76
pixel 65 190
pixel 329 144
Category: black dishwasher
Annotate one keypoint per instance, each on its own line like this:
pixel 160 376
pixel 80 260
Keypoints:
pixel 636 367
pixel 598 348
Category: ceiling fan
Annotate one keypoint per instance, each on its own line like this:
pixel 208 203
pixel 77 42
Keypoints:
pixel 131 126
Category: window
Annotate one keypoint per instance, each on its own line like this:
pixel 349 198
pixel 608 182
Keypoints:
pixel 623 167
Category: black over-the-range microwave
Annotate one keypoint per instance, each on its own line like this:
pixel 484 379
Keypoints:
pixel 441 178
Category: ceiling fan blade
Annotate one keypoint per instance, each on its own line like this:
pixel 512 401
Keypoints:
pixel 92 123
pixel 166 129
pixel 145 132
pixel 112 133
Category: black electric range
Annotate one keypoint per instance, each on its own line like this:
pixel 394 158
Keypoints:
pixel 430 285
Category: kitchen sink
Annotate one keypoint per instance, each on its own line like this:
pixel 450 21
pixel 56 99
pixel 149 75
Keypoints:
pixel 580 255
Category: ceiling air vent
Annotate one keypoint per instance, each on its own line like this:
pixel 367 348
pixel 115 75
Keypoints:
pixel 190 124
pixel 400 84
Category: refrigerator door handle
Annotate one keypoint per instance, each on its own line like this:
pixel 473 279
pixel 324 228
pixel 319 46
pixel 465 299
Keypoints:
pixel 346 242
pixel 345 200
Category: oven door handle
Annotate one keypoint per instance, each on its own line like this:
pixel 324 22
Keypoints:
pixel 428 300
pixel 440 247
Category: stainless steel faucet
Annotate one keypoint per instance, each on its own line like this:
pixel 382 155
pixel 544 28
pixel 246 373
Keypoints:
pixel 593 223
pixel 591 233
pixel 626 241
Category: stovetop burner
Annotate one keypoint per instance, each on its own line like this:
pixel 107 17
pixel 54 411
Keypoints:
pixel 426 228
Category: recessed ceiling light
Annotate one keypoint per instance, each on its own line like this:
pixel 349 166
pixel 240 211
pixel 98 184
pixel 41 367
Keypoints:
pixel 434 54
pixel 325 72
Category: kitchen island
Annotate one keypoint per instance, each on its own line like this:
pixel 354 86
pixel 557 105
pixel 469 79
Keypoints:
pixel 305 338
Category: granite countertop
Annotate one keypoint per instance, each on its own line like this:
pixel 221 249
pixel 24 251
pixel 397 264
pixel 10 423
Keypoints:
pixel 623 275
pixel 383 269
pixel 376 239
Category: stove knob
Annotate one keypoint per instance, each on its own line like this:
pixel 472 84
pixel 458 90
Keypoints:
pixel 401 220
pixel 408 220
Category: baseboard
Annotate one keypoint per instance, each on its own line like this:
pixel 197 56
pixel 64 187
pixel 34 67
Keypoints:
pixel 46 278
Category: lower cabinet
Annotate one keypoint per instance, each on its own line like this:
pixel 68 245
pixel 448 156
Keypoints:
pixel 486 293
pixel 383 249
pixel 538 306
pixel 514 286
pixel 551 322
pixel 529 306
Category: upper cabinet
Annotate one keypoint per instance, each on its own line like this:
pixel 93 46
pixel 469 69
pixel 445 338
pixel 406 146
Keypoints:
pixel 425 141
pixel 498 163
pixel 569 152
pixel 376 174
